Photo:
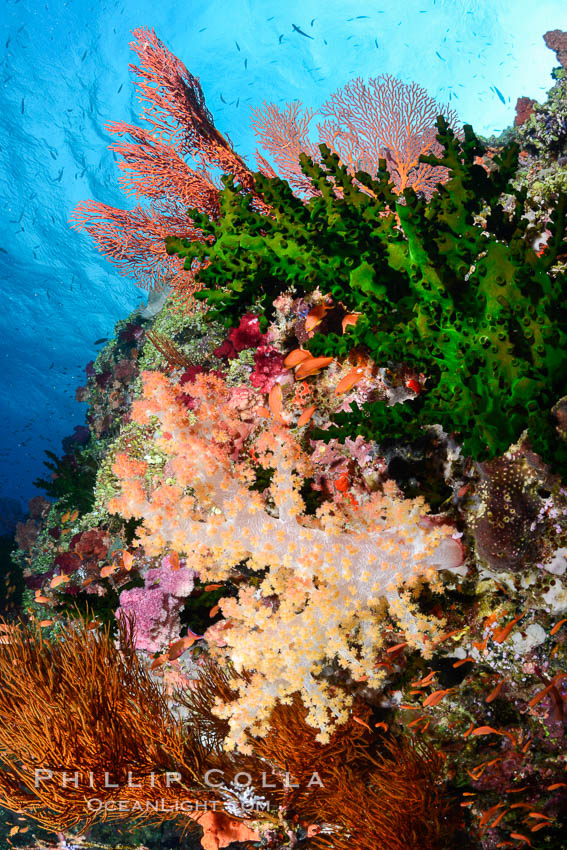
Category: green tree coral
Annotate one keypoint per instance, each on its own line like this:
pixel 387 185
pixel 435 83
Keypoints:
pixel 473 309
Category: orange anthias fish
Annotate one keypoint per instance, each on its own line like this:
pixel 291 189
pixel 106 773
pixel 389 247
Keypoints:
pixel 434 698
pixel 316 315
pixel 350 319
pixel 361 722
pixel 39 597
pixel 306 415
pixel 178 647
pixel 57 580
pixel 275 401
pixel 350 380
pixel 295 357
pixel 312 366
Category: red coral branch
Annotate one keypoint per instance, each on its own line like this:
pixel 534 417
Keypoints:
pixel 153 169
pixel 175 107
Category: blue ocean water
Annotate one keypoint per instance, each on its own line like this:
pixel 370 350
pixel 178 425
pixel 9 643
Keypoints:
pixel 64 74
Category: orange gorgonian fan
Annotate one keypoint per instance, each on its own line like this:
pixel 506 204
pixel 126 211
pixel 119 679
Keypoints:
pixel 384 118
pixel 153 166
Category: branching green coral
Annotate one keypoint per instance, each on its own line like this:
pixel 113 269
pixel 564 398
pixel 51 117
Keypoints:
pixel 474 310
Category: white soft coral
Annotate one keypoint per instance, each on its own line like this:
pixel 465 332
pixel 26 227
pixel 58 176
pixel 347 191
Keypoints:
pixel 327 575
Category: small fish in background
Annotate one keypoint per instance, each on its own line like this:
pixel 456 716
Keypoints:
pixel 300 31
pixel 280 39
pixel 237 46
pixel 120 89
pixel 101 340
pixel 246 63
pixel 84 56
pixel 22 107
pixel 440 57
pixel 500 95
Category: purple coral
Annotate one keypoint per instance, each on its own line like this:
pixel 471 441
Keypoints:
pixel 156 606
pixel 124 370
pixel 173 582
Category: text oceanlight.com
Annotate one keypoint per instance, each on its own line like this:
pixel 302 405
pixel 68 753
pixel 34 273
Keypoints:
pixel 136 806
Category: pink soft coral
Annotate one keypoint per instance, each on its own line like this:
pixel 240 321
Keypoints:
pixel 246 335
pixel 156 606
pixel 269 365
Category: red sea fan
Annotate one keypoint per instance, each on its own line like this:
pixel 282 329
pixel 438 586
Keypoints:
pixel 384 118
pixel 153 166
pixel 285 135
pixel 155 170
pixel 175 107
pixel 135 241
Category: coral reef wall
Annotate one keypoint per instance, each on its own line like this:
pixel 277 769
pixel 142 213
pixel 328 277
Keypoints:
pixel 317 523
pixel 62 70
